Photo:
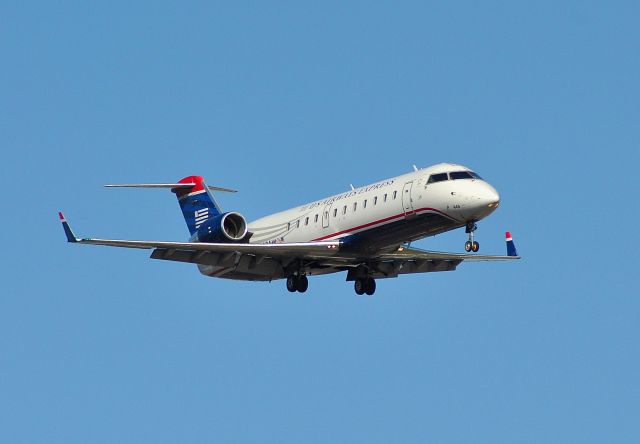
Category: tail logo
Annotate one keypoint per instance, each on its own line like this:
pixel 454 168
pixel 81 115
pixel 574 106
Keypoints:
pixel 201 215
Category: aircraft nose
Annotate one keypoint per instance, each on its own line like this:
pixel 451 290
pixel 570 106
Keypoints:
pixel 490 196
pixel 487 197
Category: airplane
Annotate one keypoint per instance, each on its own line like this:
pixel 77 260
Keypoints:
pixel 365 232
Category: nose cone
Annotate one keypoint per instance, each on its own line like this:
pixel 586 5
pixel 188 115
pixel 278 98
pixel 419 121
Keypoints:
pixel 486 199
pixel 489 195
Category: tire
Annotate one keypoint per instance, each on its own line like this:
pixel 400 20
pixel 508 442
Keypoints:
pixel 370 286
pixel 467 246
pixel 292 283
pixel 303 283
pixel 358 286
pixel 475 247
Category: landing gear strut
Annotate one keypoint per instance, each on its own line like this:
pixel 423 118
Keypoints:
pixel 471 244
pixel 298 283
pixel 365 285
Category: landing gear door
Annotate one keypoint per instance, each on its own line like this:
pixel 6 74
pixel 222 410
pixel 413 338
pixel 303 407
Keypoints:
pixel 407 201
pixel 325 216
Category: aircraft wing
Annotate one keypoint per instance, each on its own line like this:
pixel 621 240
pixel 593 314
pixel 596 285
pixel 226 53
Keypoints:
pixel 310 250
pixel 413 260
pixel 322 255
pixel 416 254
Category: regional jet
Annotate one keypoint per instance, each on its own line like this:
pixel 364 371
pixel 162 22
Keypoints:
pixel 365 232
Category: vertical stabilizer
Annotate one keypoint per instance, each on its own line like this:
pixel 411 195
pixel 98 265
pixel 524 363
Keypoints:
pixel 196 202
pixel 511 247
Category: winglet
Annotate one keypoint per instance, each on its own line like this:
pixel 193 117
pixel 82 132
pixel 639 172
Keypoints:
pixel 67 229
pixel 511 247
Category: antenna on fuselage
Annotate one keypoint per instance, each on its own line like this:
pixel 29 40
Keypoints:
pixel 352 187
pixel 415 168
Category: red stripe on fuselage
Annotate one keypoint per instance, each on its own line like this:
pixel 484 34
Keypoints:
pixel 380 221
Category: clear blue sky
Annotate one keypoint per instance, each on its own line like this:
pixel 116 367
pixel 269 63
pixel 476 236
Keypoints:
pixel 289 102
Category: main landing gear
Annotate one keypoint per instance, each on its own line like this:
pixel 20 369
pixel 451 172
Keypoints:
pixel 297 282
pixel 365 285
pixel 471 244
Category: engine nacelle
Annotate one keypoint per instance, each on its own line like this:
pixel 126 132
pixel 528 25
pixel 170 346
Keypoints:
pixel 226 227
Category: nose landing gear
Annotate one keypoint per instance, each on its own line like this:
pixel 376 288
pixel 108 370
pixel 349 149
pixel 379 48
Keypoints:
pixel 471 244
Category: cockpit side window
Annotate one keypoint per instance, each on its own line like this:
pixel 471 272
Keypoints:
pixel 461 175
pixel 475 175
pixel 438 178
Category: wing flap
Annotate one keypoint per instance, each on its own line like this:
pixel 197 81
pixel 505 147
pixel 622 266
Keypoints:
pixel 396 267
pixel 252 262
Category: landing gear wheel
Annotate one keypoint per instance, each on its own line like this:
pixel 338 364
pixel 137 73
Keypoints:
pixel 303 283
pixel 471 244
pixel 292 283
pixel 370 286
pixel 359 286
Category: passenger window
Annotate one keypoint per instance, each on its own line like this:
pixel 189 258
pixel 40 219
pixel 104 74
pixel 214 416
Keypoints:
pixel 364 204
pixel 385 197
pixel 344 210
pixel 335 212
pixel 288 226
pixel 355 206
pixel 438 178
pixel 316 218
pixel 375 200
pixel 395 193
pixel 298 223
pixel 306 221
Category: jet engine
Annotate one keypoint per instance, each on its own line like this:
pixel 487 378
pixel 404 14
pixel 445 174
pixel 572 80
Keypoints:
pixel 226 227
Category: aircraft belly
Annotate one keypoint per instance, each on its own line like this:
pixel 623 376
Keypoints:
pixel 395 233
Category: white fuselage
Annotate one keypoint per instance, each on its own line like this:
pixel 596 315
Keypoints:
pixel 380 204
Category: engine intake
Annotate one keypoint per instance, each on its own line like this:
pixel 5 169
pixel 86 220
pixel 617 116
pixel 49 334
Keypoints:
pixel 226 227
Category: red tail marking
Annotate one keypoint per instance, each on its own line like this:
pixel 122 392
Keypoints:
pixel 199 185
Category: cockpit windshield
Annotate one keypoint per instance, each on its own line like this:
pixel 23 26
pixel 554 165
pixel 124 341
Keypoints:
pixel 454 175
pixel 464 175
pixel 438 178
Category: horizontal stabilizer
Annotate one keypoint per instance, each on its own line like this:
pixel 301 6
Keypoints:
pixel 168 185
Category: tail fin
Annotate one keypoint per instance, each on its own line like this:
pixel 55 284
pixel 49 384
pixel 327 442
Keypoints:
pixel 511 247
pixel 196 202
pixel 67 229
